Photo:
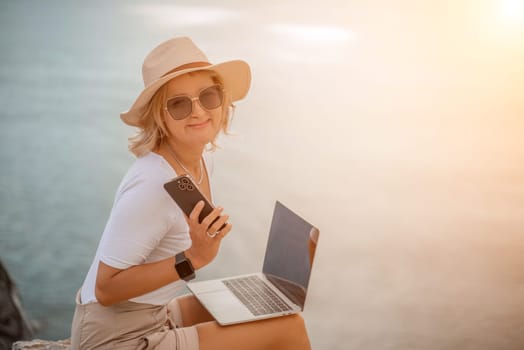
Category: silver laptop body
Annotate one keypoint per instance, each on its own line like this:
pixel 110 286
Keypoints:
pixel 280 289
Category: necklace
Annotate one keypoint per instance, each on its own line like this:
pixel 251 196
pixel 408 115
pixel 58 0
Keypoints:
pixel 183 167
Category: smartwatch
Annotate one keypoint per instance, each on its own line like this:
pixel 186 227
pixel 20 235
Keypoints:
pixel 183 267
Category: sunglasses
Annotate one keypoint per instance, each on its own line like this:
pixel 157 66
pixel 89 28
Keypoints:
pixel 181 106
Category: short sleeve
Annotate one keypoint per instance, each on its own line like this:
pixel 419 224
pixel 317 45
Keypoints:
pixel 140 218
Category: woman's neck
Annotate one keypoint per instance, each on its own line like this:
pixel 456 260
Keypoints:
pixel 190 157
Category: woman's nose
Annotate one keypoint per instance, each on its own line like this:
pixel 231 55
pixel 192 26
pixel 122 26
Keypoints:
pixel 196 107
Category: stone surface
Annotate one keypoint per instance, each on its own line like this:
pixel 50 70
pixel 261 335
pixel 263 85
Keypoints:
pixel 14 324
pixel 38 344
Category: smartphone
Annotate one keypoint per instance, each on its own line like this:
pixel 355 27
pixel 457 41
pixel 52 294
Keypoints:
pixel 186 194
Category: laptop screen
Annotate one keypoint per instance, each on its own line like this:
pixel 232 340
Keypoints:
pixel 290 252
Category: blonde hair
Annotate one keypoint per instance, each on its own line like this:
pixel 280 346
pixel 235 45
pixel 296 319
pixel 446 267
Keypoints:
pixel 152 126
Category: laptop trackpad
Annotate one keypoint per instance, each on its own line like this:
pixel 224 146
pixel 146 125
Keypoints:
pixel 224 305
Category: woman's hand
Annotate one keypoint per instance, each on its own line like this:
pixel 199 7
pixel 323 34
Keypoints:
pixel 206 235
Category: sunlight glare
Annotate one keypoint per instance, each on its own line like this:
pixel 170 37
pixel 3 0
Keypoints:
pixel 512 11
pixel 314 34
pixel 312 44
pixel 182 16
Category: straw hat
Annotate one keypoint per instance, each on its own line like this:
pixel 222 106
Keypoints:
pixel 178 56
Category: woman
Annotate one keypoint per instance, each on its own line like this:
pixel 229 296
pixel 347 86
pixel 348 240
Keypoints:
pixel 127 300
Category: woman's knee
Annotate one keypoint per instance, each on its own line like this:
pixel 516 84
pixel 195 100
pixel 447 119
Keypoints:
pixel 294 324
pixel 298 332
pixel 286 328
pixel 288 332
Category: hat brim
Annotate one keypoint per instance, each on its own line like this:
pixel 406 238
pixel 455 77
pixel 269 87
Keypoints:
pixel 235 74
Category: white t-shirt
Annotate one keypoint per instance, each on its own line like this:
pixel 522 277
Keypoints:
pixel 145 225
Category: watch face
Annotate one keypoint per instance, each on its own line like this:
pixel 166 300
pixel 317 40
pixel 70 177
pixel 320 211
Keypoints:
pixel 184 269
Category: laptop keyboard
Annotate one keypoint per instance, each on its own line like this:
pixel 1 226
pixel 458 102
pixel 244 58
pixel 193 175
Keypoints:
pixel 256 295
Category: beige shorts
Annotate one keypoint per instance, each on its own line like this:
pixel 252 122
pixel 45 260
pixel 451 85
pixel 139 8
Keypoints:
pixel 129 325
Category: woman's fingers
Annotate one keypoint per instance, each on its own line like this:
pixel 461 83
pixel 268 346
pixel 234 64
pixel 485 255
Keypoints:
pixel 195 213
pixel 219 224
pixel 214 215
pixel 211 225
pixel 225 231
pixel 207 235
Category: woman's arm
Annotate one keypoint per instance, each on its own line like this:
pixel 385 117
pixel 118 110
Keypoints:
pixel 115 285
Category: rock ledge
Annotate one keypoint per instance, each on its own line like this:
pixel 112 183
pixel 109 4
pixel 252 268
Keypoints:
pixel 38 344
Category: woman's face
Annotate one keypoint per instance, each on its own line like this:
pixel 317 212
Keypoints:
pixel 202 125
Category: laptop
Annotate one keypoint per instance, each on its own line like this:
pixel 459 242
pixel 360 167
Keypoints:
pixel 280 289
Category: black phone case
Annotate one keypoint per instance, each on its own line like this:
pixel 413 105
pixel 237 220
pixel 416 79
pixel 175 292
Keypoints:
pixel 186 194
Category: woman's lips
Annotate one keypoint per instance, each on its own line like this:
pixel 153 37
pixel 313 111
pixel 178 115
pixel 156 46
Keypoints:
pixel 199 125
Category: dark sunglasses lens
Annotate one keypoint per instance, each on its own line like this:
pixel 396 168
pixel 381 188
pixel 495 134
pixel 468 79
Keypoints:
pixel 179 107
pixel 211 97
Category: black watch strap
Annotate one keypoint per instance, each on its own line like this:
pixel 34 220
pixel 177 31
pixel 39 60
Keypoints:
pixel 183 267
